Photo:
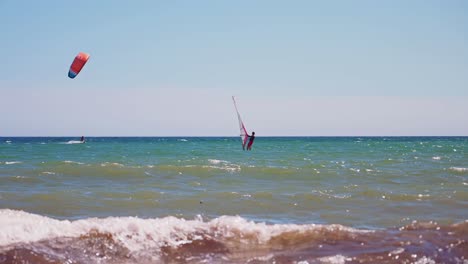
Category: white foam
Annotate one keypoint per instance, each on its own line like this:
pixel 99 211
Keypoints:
pixel 138 234
pixel 341 196
pixel 182 139
pixel 105 164
pixel 436 158
pixel 225 165
pixel 221 165
pixel 74 142
pixel 12 162
pixel 425 260
pixel 72 162
pixel 215 161
pixel 266 258
pixel 459 169
pixel 337 259
pixel 397 251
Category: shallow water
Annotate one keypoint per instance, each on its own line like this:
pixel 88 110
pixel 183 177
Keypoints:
pixel 319 200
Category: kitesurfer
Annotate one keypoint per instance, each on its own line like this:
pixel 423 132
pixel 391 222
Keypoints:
pixel 82 139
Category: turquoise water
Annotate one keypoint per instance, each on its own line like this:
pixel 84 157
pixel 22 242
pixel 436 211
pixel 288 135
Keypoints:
pixel 365 183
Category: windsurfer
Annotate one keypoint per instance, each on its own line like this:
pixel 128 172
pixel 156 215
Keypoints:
pixel 251 141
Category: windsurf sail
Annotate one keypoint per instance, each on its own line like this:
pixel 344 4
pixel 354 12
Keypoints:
pixel 243 132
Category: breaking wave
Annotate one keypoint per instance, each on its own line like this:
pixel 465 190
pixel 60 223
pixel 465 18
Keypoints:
pixel 26 237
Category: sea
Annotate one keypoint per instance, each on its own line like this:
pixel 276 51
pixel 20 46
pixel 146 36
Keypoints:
pixel 205 200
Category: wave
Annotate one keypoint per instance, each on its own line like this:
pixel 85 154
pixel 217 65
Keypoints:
pixel 459 169
pixel 115 164
pixel 227 239
pixel 215 161
pixel 204 169
pixel 12 162
pixel 72 162
pixel 17 179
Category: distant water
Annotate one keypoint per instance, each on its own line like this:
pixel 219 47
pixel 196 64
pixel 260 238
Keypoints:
pixel 204 200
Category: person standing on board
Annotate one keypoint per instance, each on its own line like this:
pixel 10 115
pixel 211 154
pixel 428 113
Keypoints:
pixel 82 139
pixel 251 140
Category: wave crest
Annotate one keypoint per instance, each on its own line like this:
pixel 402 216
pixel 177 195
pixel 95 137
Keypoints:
pixel 230 239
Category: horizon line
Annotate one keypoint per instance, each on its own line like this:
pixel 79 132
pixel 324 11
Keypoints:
pixel 284 136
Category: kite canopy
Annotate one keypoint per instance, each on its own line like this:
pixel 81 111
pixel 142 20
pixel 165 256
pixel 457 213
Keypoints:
pixel 77 64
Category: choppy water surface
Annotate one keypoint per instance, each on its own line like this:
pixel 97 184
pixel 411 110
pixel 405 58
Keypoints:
pixel 315 200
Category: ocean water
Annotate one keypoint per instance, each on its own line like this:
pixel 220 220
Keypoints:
pixel 205 200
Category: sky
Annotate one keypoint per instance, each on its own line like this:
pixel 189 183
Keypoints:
pixel 297 68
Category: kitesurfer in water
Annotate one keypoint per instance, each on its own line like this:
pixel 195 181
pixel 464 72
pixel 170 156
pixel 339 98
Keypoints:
pixel 251 140
pixel 82 139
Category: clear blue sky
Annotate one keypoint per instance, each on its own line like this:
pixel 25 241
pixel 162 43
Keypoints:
pixel 169 68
